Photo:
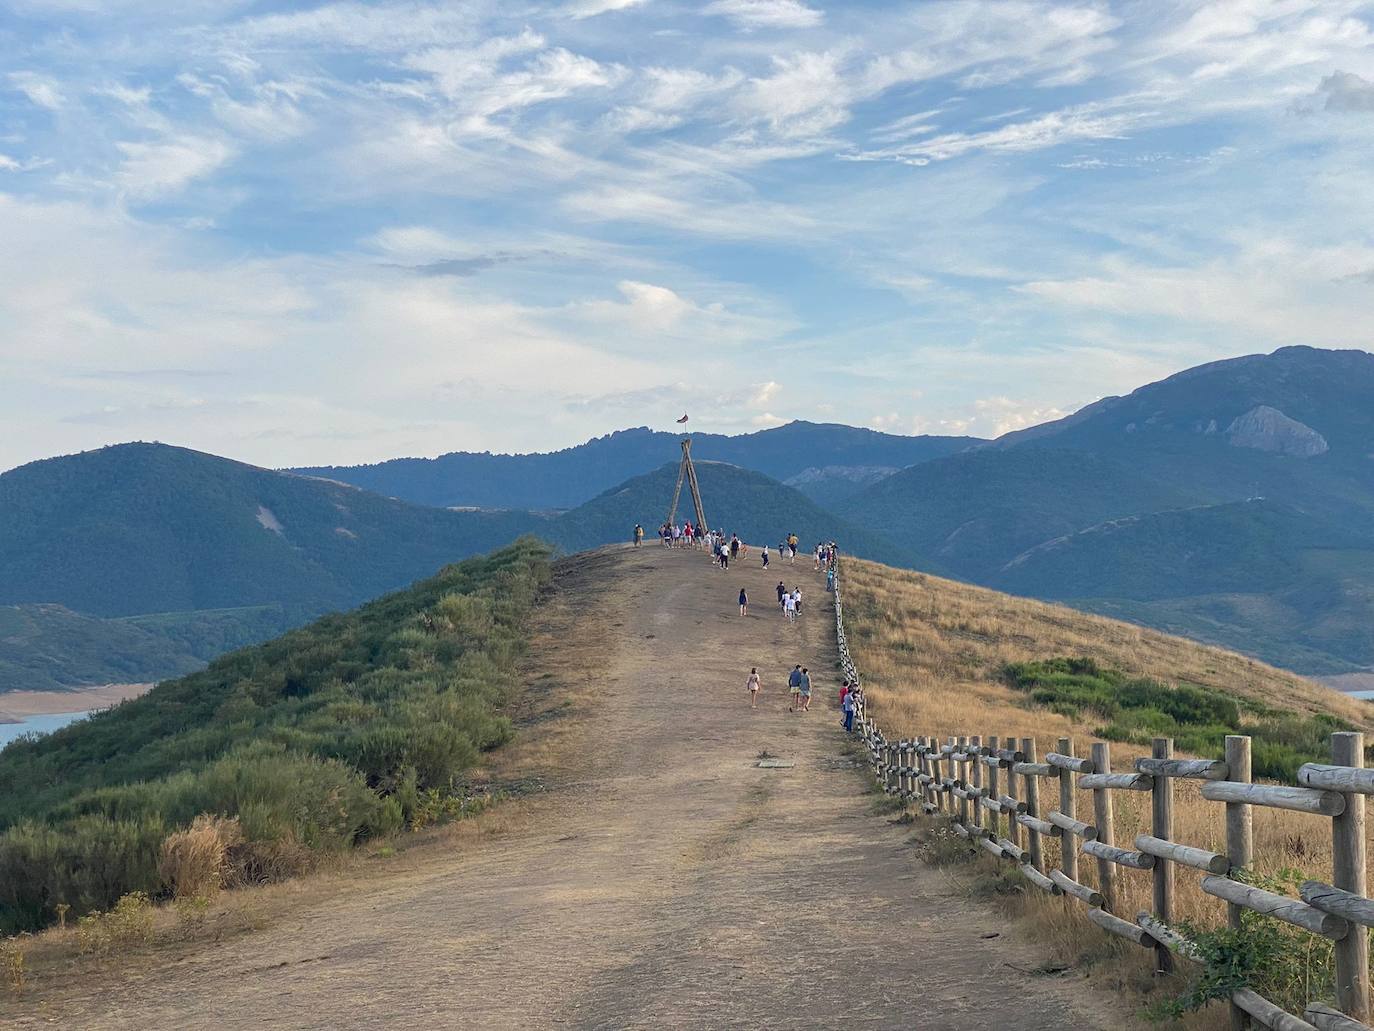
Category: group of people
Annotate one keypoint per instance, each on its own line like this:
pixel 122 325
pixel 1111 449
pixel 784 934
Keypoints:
pixel 723 550
pixel 790 602
pixel 670 535
pixel 799 690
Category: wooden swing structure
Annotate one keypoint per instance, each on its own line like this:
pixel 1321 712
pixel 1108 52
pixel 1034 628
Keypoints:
pixel 687 471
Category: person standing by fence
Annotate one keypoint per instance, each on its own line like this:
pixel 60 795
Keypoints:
pixel 847 707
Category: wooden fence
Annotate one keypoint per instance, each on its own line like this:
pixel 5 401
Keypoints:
pixel 1006 798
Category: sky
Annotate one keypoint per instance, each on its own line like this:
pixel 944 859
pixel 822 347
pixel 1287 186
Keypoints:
pixel 338 233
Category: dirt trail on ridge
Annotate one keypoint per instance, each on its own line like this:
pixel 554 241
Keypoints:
pixel 666 883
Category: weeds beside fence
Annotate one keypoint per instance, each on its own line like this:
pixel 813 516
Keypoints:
pixel 989 787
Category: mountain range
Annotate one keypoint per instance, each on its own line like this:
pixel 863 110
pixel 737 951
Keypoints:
pixel 818 459
pixel 1233 502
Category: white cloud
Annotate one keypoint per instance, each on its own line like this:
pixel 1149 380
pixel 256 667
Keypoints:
pixel 386 27
pixel 1273 289
pixel 156 169
pixel 765 394
pixel 995 416
pixel 591 8
pixel 767 14
pixel 41 90
pixel 807 94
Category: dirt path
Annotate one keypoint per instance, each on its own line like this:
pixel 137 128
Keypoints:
pixel 670 883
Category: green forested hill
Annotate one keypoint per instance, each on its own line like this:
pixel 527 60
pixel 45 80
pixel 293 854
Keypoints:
pixel 142 528
pixel 312 742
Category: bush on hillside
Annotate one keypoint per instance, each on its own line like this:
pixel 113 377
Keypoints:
pixel 313 742
pixel 1136 710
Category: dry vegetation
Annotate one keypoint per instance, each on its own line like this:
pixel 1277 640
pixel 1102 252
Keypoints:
pixel 932 654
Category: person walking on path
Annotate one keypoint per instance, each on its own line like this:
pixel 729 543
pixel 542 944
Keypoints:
pixel 743 602
pixel 789 607
pixel 794 686
pixel 765 556
pixel 638 534
pixel 796 600
pixel 782 593
pixel 753 684
pixel 847 707
pixel 805 690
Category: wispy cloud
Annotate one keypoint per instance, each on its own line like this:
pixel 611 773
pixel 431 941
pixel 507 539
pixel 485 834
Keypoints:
pixel 450 205
pixel 767 14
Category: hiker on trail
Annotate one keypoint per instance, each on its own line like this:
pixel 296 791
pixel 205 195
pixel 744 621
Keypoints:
pixel 743 603
pixel 791 547
pixel 782 593
pixel 847 706
pixel 765 556
pixel 734 546
pixel 789 607
pixel 820 550
pixel 805 690
pixel 724 557
pixel 753 685
pixel 794 680
pixel 638 534
pixel 830 579
pixel 796 599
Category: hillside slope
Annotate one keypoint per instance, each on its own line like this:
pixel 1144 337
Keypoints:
pixel 313 741
pixel 141 528
pixel 567 478
pixel 1213 502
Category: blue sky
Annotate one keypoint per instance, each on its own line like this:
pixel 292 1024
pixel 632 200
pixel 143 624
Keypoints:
pixel 303 234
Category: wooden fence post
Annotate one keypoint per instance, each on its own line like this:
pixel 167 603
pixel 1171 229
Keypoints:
pixel 961 775
pixel 993 824
pixel 935 773
pixel 976 782
pixel 1240 842
pixel 1162 824
pixel 1032 788
pixel 1013 828
pixel 1348 873
pixel 1068 805
pixel 1102 817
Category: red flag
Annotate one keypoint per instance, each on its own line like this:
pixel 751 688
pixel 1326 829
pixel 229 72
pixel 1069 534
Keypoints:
pixel 683 419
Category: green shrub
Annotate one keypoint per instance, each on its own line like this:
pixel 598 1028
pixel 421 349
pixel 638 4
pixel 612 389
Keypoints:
pixel 303 739
pixel 1136 710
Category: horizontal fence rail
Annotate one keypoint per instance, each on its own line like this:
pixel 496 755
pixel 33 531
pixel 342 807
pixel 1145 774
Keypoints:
pixel 989 787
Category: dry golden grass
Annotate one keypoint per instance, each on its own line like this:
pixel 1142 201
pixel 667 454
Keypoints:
pixel 931 652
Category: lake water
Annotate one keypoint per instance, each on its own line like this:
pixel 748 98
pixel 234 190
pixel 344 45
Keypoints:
pixel 37 725
pixel 1365 695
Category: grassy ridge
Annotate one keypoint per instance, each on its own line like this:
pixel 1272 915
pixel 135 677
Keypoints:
pixel 321 738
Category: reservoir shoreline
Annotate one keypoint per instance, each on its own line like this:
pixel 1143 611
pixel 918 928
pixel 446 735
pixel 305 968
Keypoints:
pixel 16 706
